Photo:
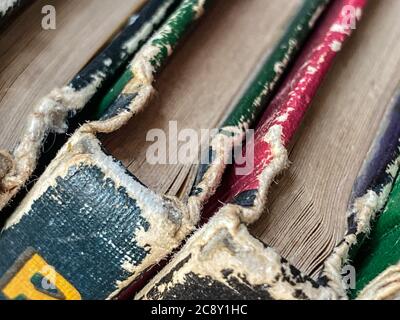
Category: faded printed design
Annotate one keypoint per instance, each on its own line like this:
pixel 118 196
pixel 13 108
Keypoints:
pixel 92 222
pixel 31 277
pixel 97 185
pixel 68 225
pixel 107 227
pixel 110 228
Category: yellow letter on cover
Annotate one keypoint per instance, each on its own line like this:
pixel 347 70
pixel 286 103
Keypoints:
pixel 22 286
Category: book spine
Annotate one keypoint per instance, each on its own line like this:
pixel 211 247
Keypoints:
pixel 106 227
pixel 262 87
pixel 223 261
pixel 369 195
pixel 254 101
pixel 383 153
pixel 380 251
pixel 286 112
pixel 375 196
pixel 54 111
pixel 214 259
pixel 86 230
pixel 163 44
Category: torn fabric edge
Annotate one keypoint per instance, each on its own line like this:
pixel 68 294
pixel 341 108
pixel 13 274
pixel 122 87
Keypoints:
pixel 62 104
pixel 285 116
pixel 253 102
pixel 164 217
pixel 133 98
pixel 369 195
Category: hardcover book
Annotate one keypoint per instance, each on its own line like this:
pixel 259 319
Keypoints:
pixel 117 206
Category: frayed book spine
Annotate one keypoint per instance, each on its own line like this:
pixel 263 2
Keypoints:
pixel 61 105
pixel 222 256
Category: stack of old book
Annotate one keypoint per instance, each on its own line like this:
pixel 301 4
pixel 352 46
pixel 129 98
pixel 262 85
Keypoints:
pixel 199 149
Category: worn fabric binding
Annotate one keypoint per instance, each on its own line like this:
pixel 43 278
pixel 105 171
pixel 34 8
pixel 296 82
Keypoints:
pixel 248 109
pixel 96 211
pixel 254 271
pixel 60 106
pixel 214 260
pixel 369 195
pixel 376 247
pixel 105 226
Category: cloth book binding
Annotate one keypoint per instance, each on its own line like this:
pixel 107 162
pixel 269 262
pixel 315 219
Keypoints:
pixel 93 221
